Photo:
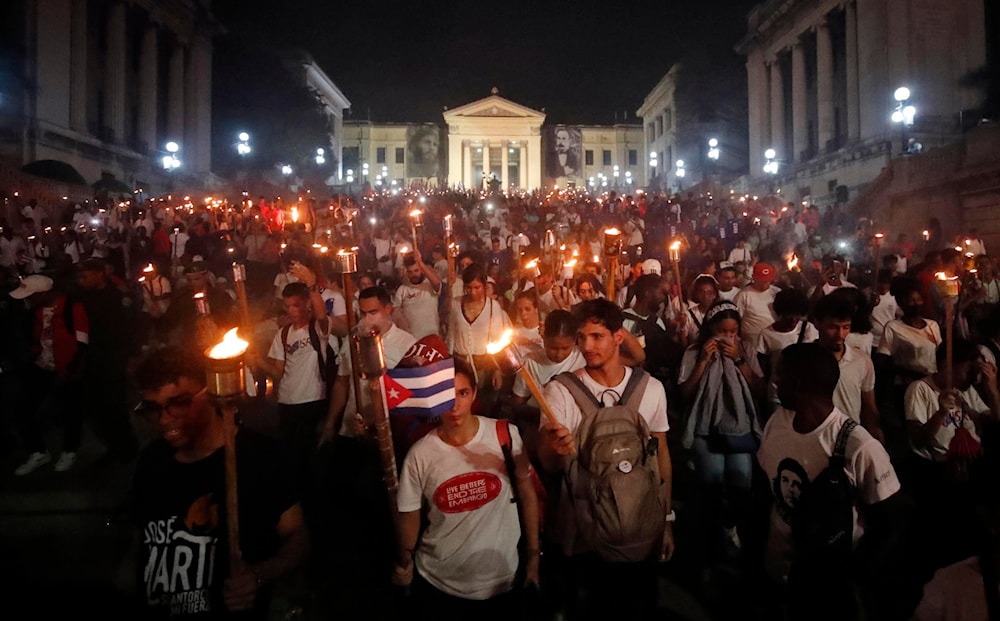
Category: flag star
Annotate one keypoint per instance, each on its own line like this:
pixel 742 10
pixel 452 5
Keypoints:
pixel 393 393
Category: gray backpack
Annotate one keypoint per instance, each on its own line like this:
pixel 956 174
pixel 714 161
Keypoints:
pixel 614 479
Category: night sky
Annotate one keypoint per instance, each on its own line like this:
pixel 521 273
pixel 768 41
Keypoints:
pixel 582 62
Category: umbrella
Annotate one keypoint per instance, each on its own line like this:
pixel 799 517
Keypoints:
pixel 55 170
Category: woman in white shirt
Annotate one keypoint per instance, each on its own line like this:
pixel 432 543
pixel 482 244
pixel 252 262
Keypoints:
pixel 474 321
pixel 912 340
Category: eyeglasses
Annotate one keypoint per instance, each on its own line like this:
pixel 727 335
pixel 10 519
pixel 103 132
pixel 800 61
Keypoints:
pixel 151 410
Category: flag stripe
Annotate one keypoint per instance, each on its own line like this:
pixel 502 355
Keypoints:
pixel 428 369
pixel 423 412
pixel 425 380
pixel 447 387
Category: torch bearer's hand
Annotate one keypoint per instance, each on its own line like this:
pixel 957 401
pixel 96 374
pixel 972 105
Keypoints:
pixel 303 273
pixel 402 575
pixel 560 439
pixel 240 589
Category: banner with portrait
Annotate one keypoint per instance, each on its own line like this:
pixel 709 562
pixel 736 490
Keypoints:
pixel 426 152
pixel 563 152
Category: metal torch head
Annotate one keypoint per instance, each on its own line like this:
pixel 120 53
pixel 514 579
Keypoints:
pixel 371 354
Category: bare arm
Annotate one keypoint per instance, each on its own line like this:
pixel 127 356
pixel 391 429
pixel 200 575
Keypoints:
pixel 407 529
pixel 632 353
pixel 666 480
pixel 529 514
pixel 338 403
pixel 869 416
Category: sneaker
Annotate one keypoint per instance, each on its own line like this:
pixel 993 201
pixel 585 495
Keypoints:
pixel 66 461
pixel 34 462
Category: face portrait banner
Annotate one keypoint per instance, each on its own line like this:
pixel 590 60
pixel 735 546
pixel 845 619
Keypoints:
pixel 426 152
pixel 564 152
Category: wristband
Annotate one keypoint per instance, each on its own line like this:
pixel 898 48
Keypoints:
pixel 671 517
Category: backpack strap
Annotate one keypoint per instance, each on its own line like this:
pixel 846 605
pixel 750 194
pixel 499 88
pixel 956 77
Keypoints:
pixel 320 350
pixel 506 447
pixel 284 337
pixel 585 400
pixel 695 319
pixel 802 331
pixel 635 389
pixel 840 448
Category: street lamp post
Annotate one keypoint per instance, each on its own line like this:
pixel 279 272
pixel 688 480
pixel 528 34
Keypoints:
pixel 904 113
pixel 770 168
pixel 680 174
pixel 243 146
pixel 652 165
pixel 170 161
pixel 320 156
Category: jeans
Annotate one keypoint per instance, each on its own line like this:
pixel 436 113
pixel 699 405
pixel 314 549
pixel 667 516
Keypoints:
pixel 734 470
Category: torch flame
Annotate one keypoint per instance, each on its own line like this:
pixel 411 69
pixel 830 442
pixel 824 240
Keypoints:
pixel 295 214
pixel 676 245
pixel 404 249
pixel 148 269
pixel 231 346
pixel 597 259
pixel 612 232
pixel 570 263
pixel 415 213
pixel 940 276
pixel 498 346
pixel 532 264
pixel 792 262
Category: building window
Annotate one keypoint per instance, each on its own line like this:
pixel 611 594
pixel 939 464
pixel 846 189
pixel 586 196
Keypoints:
pixel 633 157
pixel 352 158
pixel 400 154
pixel 380 155
pixel 606 157
pixel 659 126
pixel 588 157
pixel 668 119
pixel 670 156
pixel 651 132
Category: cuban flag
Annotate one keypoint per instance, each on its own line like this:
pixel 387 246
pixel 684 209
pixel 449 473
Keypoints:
pixel 423 392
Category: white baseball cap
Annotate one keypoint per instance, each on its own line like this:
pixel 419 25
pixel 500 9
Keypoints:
pixel 651 266
pixel 36 283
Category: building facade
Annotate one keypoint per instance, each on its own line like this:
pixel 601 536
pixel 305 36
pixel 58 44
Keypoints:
pixel 694 129
pixel 493 138
pixel 822 78
pixel 107 84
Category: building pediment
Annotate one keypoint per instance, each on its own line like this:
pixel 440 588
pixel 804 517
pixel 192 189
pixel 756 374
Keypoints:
pixel 493 106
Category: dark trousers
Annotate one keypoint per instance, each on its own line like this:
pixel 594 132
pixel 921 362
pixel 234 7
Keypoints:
pixel 594 589
pixel 44 393
pixel 108 413
pixel 431 604
pixel 298 432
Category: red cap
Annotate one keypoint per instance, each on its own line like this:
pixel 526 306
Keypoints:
pixel 763 272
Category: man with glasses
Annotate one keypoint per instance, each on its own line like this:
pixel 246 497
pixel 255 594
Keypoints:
pixel 178 501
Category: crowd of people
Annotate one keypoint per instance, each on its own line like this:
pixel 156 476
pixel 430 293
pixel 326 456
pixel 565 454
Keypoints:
pixel 780 406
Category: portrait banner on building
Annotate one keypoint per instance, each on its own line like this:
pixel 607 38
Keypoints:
pixel 564 152
pixel 426 152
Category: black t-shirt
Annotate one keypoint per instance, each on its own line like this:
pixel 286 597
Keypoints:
pixel 180 510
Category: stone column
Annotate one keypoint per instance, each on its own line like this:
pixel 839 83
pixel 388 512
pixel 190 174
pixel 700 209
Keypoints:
pixel 522 168
pixel 467 170
pixel 757 108
pixel 201 130
pixel 454 160
pixel 114 74
pixel 824 86
pixel 175 97
pixel 777 110
pixel 851 43
pixel 78 67
pixel 486 162
pixel 148 80
pixel 534 160
pixel 504 161
pixel 800 125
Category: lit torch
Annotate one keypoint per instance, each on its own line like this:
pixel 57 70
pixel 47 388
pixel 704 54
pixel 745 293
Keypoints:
pixel 675 259
pixel 948 289
pixel 508 361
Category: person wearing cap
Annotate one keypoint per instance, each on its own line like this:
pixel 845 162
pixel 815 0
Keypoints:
pixel 756 304
pixel 59 351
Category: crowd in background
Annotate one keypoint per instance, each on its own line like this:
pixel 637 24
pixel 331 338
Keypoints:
pixel 697 280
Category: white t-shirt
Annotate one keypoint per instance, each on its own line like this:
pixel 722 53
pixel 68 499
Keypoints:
pixel 861 341
pixel 857 375
pixel 301 381
pixel 756 311
pixel 770 342
pixel 469 548
pixel 955 593
pixel 543 370
pixel 178 243
pixel 921 403
pixel 526 337
pixel 155 290
pixel 395 343
pixel 912 348
pixel 730 295
pixel 417 306
pixel 867 465
pixel 653 407
pixel 744 254
pixel 883 313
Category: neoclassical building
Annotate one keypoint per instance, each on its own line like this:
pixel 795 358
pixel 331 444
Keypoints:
pixel 494 138
pixel 822 75
pixel 107 83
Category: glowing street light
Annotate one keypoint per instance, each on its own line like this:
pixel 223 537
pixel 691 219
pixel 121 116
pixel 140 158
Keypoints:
pixel 904 114
pixel 320 156
pixel 286 169
pixel 171 161
pixel 243 146
pixel 713 149
pixel 681 172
